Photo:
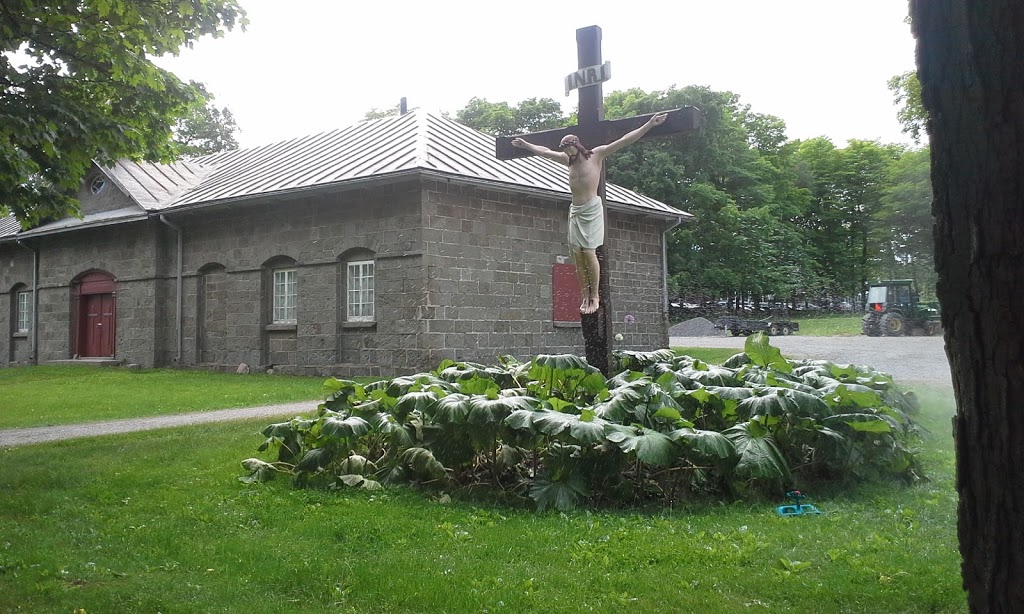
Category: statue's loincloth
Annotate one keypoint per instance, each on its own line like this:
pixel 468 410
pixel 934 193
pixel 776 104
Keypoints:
pixel 586 224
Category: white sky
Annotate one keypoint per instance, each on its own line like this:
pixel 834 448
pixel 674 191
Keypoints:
pixel 308 66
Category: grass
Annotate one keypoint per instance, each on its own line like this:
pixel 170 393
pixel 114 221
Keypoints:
pixel 830 326
pixel 715 356
pixel 47 395
pixel 157 521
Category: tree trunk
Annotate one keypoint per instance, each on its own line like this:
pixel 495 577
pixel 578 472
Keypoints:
pixel 971 68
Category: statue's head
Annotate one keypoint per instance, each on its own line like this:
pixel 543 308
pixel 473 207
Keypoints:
pixel 571 145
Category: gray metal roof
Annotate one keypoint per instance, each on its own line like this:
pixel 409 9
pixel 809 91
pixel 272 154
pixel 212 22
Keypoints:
pixel 155 186
pixel 9 226
pixel 102 218
pixel 416 141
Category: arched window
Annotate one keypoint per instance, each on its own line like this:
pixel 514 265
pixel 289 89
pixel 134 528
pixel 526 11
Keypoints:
pixel 282 279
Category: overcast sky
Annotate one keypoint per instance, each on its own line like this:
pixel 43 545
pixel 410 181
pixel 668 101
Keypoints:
pixel 308 66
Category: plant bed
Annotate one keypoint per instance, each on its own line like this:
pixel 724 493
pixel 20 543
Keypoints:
pixel 556 432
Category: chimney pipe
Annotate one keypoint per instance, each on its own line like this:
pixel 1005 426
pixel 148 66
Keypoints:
pixel 403 108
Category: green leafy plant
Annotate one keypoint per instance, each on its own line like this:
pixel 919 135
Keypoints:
pixel 556 432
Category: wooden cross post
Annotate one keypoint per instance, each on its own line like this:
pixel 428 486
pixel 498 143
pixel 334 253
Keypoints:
pixel 593 130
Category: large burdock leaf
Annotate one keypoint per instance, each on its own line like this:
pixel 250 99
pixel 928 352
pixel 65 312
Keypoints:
pixel 358 481
pixel 850 396
pixel 624 401
pixel 763 354
pixel 759 456
pixel 356 465
pixel 650 446
pixel 484 410
pixel 260 471
pixel 314 459
pixel 639 361
pixel 864 422
pixel 711 444
pixel 453 409
pixel 711 375
pixel 344 427
pixel 521 419
pixel 420 401
pixel 585 429
pixel 423 463
pixel 562 494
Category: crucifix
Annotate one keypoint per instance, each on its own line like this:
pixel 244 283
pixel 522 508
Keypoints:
pixel 568 145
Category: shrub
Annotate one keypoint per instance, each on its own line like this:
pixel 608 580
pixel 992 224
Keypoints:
pixel 556 431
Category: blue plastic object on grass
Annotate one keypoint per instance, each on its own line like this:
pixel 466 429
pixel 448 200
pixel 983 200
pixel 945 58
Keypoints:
pixel 796 508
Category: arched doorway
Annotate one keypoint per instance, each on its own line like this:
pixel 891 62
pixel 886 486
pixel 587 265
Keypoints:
pixel 93 315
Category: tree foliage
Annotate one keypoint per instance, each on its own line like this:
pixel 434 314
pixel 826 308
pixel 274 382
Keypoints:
pixel 774 218
pixel 206 129
pixel 77 85
pixel 912 115
pixel 502 119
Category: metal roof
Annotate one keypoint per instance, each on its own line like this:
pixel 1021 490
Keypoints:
pixel 155 186
pixel 392 146
pixel 417 141
pixel 9 226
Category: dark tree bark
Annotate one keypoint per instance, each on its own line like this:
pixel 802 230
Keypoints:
pixel 971 68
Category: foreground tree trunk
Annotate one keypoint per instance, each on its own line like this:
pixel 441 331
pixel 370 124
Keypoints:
pixel 971 68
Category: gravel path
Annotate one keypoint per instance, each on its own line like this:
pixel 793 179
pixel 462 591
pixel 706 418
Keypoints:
pixel 910 360
pixel 24 436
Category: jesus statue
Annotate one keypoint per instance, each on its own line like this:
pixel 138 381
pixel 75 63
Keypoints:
pixel 586 213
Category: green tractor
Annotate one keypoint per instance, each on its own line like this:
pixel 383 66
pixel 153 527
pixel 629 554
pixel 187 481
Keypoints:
pixel 894 309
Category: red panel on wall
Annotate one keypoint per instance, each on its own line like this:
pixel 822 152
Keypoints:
pixel 565 293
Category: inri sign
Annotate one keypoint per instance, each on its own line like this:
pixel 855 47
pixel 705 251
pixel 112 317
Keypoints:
pixel 585 77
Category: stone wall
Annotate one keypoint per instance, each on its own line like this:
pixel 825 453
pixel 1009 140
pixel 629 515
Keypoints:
pixel 232 252
pixel 15 277
pixel 461 272
pixel 490 257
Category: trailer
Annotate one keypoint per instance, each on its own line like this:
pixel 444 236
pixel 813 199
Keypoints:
pixel 745 326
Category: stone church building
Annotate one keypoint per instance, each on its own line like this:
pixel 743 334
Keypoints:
pixel 381 248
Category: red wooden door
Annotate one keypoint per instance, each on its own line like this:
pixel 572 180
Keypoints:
pixel 97 325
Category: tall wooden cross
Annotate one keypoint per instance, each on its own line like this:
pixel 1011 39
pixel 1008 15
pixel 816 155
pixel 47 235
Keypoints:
pixel 593 130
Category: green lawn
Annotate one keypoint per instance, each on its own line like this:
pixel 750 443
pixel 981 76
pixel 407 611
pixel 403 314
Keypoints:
pixel 44 395
pixel 830 326
pixel 157 521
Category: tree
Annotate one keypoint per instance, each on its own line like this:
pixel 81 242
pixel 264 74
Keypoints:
pixel 971 67
pixel 906 91
pixel 905 222
pixel 77 85
pixel 206 130
pixel 501 119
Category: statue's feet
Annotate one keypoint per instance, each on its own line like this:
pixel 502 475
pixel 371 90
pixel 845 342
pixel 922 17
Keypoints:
pixel 589 306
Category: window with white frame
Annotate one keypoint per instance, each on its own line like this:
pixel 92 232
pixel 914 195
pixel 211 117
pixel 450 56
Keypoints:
pixel 285 296
pixel 360 291
pixel 24 316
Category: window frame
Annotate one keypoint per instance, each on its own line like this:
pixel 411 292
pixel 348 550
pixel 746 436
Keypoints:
pixel 354 310
pixel 23 312
pixel 280 309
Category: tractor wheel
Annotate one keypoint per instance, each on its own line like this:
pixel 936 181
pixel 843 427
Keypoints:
pixel 736 332
pixel 785 331
pixel 869 324
pixel 892 324
pixel 773 330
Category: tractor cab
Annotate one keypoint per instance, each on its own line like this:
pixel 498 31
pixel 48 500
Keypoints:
pixel 894 308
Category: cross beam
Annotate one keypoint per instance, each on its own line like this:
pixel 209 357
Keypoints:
pixel 680 121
